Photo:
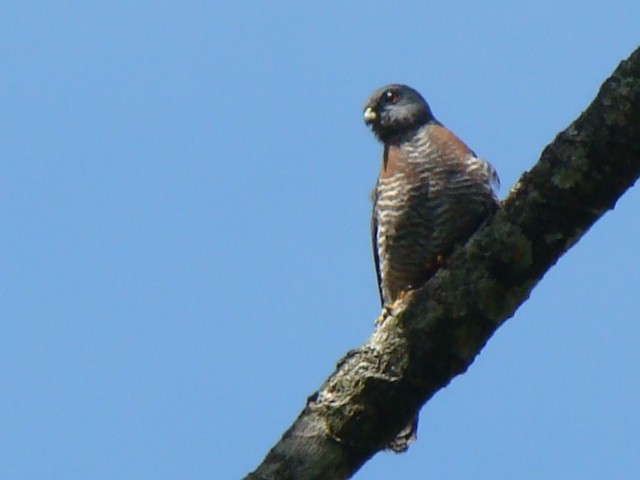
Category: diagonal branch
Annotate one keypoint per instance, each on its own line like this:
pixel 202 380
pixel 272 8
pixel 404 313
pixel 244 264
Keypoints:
pixel 438 329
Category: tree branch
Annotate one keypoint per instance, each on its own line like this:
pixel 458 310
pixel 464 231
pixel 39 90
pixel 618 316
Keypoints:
pixel 438 329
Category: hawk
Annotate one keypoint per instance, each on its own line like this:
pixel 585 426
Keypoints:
pixel 432 194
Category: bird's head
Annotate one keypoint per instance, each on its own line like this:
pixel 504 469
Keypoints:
pixel 395 110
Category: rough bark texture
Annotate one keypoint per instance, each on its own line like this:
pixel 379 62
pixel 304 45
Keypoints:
pixel 438 329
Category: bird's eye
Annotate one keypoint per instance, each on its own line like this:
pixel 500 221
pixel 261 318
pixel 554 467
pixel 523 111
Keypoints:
pixel 391 96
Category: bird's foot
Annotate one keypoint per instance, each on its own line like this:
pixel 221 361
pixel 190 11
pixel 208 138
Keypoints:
pixel 386 313
pixel 435 264
pixel 388 310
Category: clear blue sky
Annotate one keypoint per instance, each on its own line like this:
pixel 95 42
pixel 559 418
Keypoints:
pixel 185 251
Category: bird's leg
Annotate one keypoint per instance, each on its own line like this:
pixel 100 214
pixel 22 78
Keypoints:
pixel 435 264
pixel 388 309
pixel 402 295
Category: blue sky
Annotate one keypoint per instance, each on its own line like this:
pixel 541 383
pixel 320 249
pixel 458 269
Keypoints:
pixel 184 190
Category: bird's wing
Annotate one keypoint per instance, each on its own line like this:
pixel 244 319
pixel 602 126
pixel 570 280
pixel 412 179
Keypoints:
pixel 374 243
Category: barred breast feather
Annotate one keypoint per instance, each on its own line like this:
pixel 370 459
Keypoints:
pixel 432 194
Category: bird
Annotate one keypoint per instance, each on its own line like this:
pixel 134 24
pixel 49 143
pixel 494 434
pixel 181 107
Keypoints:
pixel 431 195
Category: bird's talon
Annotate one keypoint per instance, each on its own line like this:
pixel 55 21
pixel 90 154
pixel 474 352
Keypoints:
pixel 435 264
pixel 386 312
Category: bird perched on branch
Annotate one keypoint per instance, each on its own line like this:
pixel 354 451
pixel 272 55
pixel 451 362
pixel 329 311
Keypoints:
pixel 432 194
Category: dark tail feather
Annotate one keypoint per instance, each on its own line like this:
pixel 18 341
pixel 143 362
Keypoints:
pixel 406 437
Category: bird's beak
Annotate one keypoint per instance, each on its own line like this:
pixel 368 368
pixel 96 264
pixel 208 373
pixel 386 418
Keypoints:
pixel 370 115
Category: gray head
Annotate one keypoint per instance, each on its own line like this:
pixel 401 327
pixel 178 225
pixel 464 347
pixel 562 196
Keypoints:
pixel 395 110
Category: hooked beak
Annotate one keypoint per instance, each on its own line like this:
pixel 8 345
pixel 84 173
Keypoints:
pixel 370 116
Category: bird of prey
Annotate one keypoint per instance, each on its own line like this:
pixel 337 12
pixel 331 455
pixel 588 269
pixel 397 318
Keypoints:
pixel 432 194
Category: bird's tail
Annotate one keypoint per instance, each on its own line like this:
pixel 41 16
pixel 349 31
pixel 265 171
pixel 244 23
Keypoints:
pixel 406 437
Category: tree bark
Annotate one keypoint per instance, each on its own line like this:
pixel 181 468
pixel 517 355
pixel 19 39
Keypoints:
pixel 438 329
